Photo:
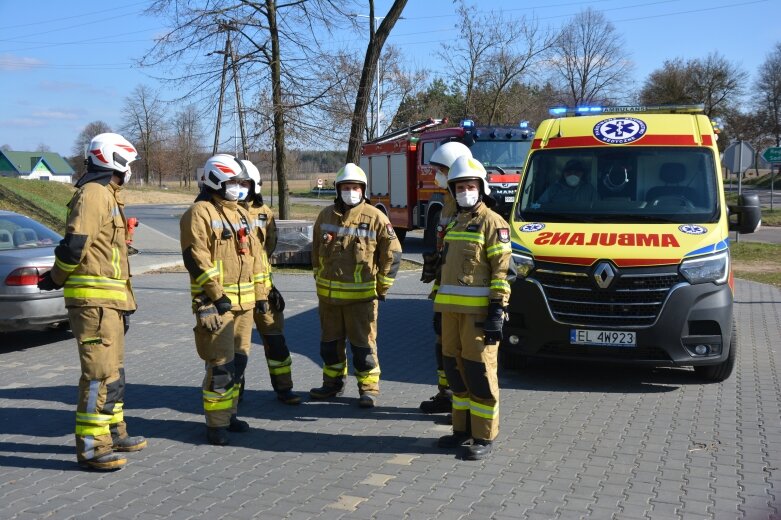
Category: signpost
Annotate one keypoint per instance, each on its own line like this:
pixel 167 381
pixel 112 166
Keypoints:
pixel 773 156
pixel 738 157
pixel 319 186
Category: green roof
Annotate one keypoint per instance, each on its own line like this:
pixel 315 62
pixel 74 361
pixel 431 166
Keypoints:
pixel 24 163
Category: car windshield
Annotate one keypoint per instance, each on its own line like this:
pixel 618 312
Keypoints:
pixel 20 232
pixel 504 154
pixel 635 184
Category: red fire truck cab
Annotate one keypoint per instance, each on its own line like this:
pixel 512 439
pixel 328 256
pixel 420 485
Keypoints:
pixel 401 180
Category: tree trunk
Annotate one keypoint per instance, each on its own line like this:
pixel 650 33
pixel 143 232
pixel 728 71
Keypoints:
pixel 279 116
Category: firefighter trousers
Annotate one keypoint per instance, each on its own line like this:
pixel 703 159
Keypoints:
pixel 442 384
pixel 356 323
pixel 471 368
pixel 100 335
pixel 218 349
pixel 271 326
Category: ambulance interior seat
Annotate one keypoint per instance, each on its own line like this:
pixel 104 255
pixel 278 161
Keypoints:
pixel 672 193
pixel 24 236
pixel 6 239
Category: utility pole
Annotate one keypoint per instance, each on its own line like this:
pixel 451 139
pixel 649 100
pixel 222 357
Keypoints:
pixel 222 90
pixel 228 53
pixel 239 106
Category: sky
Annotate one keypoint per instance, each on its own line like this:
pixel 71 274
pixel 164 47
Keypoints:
pixel 65 64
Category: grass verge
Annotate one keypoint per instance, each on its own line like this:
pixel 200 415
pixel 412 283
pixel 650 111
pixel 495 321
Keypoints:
pixel 757 262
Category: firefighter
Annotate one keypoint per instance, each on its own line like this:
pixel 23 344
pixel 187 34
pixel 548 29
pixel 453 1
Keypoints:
pixel 91 262
pixel 442 158
pixel 270 321
pixel 226 282
pixel 473 292
pixel 355 257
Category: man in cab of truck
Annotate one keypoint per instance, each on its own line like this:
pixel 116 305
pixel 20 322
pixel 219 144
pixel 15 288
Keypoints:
pixel 573 186
pixel 641 273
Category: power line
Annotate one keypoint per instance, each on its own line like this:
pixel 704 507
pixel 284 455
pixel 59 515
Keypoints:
pixel 38 22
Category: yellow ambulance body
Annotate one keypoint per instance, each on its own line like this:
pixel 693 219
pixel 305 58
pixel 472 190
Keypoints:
pixel 630 262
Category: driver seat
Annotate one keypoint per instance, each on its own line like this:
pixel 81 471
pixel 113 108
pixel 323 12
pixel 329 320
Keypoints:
pixel 671 174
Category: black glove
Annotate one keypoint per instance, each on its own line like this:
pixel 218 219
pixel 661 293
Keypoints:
pixel 126 321
pixel 45 282
pixel 431 263
pixel 492 327
pixel 381 297
pixel 223 304
pixel 261 307
pixel 207 314
pixel 438 323
pixel 276 300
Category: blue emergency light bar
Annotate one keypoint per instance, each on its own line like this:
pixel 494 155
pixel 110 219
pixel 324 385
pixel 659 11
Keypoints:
pixel 467 123
pixel 619 109
pixel 524 124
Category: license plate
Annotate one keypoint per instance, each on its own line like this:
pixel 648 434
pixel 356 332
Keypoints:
pixel 509 199
pixel 611 338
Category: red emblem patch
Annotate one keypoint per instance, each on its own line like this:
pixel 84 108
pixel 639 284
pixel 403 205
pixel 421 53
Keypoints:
pixel 389 228
pixel 504 234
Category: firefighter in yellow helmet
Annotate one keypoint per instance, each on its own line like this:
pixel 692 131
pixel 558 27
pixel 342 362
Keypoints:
pixel 473 292
pixel 269 320
pixel 355 257
pixel 442 158
pixel 226 282
pixel 91 262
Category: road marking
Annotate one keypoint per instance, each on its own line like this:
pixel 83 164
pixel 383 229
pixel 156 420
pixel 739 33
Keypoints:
pixel 377 479
pixel 12 386
pixel 347 502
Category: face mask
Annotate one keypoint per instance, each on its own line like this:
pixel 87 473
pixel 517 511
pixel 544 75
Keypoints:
pixel 572 180
pixel 235 192
pixel 467 199
pixel 351 197
pixel 128 174
pixel 441 180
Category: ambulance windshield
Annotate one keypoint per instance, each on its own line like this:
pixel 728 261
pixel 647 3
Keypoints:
pixel 621 185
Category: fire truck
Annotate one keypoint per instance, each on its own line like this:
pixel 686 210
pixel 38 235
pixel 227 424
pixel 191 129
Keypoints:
pixel 401 180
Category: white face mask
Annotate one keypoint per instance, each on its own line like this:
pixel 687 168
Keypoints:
pixel 467 199
pixel 235 192
pixel 572 180
pixel 128 174
pixel 351 197
pixel 441 180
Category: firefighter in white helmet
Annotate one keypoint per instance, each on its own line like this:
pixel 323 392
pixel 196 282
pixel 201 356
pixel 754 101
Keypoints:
pixel 99 304
pixel 473 292
pixel 355 257
pixel 226 282
pixel 269 318
pixel 442 158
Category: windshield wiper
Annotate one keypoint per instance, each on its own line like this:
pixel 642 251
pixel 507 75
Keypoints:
pixel 497 168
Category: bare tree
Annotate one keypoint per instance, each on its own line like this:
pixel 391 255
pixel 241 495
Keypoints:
pixel 144 124
pixel 373 49
pixel 43 148
pixel 79 149
pixel 590 60
pixel 768 89
pixel 188 136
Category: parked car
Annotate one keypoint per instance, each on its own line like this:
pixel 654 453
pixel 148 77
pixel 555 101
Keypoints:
pixel 26 252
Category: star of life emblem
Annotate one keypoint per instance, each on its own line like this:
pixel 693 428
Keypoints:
pixel 619 130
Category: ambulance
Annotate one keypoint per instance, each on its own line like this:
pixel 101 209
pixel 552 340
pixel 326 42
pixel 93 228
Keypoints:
pixel 620 235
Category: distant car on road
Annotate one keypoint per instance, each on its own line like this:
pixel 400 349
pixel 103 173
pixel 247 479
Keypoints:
pixel 26 252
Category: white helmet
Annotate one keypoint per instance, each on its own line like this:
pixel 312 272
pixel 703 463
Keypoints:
pixel 447 153
pixel 464 168
pixel 254 175
pixel 351 172
pixel 222 167
pixel 111 151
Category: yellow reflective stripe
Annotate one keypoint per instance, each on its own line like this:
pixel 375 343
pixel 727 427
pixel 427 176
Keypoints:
pixel 357 278
pixel 345 295
pixel 466 301
pixel 115 262
pixel 216 401
pixel 498 249
pixel 84 279
pixel 385 280
pixel 276 368
pixel 442 378
pixel 279 371
pixel 460 403
pixel 94 424
pixel 209 274
pixel 368 378
pixel 81 292
pixel 484 411
pixel 435 287
pixel 500 285
pixel 336 370
pixel 63 266
pixel 464 236
pixel 284 362
pixel 119 414
pixel 239 287
pixel 325 282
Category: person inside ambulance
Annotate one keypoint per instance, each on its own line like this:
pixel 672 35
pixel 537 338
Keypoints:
pixel 473 293
pixel 572 186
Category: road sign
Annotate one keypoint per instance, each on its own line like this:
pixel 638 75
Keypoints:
pixel 738 157
pixel 319 183
pixel 772 154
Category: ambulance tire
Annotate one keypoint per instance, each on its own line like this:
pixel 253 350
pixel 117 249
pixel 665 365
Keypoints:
pixel 512 360
pixel 430 233
pixel 720 372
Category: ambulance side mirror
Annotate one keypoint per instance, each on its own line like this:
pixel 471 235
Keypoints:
pixel 747 214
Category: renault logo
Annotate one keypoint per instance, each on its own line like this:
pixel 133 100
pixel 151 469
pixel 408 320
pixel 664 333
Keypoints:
pixel 604 275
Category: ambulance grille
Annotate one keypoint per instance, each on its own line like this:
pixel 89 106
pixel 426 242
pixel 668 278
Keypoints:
pixel 634 298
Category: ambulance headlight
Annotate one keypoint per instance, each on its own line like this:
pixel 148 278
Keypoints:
pixel 523 264
pixel 714 268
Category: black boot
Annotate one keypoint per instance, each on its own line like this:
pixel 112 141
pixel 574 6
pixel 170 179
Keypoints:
pixel 367 401
pixel 217 436
pixel 478 450
pixel 107 462
pixel 455 440
pixel 288 397
pixel 440 403
pixel 128 443
pixel 326 391
pixel 237 425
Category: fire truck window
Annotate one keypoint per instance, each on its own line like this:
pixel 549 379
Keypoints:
pixel 428 149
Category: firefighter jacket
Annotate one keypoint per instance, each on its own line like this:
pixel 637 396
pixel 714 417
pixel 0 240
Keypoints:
pixel 91 261
pixel 446 215
pixel 476 263
pixel 355 254
pixel 265 229
pixel 220 253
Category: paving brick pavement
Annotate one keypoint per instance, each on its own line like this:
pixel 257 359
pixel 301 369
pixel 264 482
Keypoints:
pixel 575 441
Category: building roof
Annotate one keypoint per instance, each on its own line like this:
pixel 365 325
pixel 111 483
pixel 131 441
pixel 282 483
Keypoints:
pixel 24 163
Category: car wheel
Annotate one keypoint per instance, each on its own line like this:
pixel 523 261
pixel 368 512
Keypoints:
pixel 720 372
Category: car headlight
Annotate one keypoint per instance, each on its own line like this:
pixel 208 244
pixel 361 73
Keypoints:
pixel 523 264
pixel 714 268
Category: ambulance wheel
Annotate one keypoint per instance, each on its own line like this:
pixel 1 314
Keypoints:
pixel 720 372
pixel 430 233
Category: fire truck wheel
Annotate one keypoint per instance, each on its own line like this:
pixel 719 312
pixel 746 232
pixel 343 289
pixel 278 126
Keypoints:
pixel 430 233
